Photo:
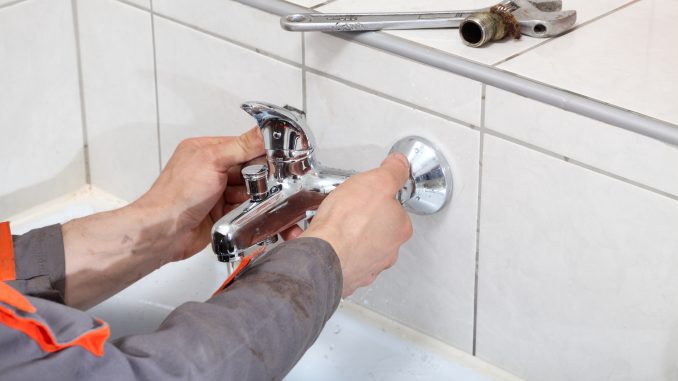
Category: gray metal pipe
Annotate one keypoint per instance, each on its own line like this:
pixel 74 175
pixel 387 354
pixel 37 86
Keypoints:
pixel 563 99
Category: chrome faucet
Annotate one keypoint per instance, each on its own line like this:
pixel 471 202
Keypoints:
pixel 288 184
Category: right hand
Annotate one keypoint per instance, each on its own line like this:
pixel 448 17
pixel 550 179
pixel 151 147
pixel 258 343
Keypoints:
pixel 364 222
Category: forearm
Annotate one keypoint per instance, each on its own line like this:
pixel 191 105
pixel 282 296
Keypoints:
pixel 258 328
pixel 255 330
pixel 106 252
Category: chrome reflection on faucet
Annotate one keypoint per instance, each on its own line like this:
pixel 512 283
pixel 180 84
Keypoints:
pixel 288 184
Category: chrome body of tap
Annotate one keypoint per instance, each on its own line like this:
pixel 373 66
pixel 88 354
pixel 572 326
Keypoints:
pixel 285 187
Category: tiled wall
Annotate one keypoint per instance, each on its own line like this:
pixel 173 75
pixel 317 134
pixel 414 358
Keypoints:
pixel 556 259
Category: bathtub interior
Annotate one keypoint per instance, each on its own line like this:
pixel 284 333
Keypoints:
pixel 356 344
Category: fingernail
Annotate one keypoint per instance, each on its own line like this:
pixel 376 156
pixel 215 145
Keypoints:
pixel 401 158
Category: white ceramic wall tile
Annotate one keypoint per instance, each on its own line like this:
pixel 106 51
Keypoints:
pixel 633 68
pixel 431 287
pixel 425 86
pixel 307 3
pixel 603 146
pixel 448 39
pixel 203 80
pixel 140 3
pixel 41 146
pixel 235 21
pixel 6 2
pixel 577 277
pixel 119 88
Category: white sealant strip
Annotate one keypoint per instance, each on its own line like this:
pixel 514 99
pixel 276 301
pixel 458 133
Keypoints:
pixel 563 99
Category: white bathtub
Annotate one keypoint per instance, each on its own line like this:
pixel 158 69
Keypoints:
pixel 356 344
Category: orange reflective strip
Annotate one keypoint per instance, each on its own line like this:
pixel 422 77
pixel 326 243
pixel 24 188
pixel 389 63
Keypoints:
pixel 93 340
pixel 15 299
pixel 7 270
pixel 245 261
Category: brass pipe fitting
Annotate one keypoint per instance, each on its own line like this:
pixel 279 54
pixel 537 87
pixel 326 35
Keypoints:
pixel 481 28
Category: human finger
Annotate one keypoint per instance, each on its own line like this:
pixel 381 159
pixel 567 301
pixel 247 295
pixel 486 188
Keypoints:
pixel 397 169
pixel 234 176
pixel 291 233
pixel 235 194
pixel 237 150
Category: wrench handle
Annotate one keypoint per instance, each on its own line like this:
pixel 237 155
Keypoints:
pixel 354 22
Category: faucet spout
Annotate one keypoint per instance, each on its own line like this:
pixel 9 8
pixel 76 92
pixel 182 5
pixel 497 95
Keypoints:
pixel 259 222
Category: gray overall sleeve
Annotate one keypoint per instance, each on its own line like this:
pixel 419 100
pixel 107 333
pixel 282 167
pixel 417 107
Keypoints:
pixel 255 330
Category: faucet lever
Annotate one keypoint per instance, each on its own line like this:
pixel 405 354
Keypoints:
pixel 287 138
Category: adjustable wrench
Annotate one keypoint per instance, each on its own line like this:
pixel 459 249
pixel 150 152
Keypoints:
pixel 535 18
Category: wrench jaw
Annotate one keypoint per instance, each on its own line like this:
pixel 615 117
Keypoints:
pixel 547 5
pixel 546 24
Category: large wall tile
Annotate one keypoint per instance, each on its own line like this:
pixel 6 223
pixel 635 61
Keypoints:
pixel 577 277
pixel 236 21
pixel 307 3
pixel 603 146
pixel 141 3
pixel 41 146
pixel 119 88
pixel 431 288
pixel 413 82
pixel 203 80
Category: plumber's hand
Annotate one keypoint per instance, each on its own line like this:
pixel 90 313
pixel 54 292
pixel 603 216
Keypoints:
pixel 191 191
pixel 364 222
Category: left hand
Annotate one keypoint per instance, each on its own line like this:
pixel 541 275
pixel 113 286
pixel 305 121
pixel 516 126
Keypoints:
pixel 192 191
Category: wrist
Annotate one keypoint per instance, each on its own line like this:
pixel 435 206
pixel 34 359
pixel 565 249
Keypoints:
pixel 332 237
pixel 155 228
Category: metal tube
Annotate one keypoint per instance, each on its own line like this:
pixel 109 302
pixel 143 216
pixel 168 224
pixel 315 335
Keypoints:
pixel 563 99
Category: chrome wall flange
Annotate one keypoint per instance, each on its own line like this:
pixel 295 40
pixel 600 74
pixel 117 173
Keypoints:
pixel 430 186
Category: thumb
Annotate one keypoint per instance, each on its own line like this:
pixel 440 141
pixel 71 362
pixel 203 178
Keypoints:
pixel 398 169
pixel 237 150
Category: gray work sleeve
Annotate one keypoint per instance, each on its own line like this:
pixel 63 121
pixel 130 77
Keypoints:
pixel 257 329
pixel 39 263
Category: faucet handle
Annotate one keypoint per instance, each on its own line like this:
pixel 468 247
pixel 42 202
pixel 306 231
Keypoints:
pixel 287 138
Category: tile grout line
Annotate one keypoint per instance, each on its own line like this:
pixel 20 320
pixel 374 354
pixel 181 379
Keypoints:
pixel 134 5
pixel 481 147
pixel 81 88
pixel 155 80
pixel 323 4
pixel 604 15
pixel 11 3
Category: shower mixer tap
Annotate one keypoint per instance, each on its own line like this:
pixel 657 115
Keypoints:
pixel 288 184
